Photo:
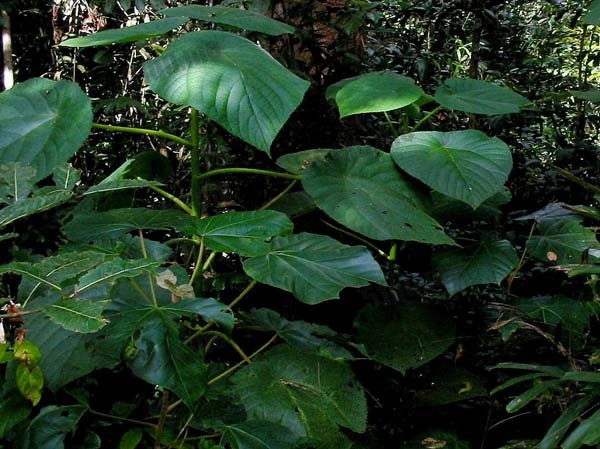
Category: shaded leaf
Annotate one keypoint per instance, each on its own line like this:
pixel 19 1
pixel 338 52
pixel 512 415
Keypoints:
pixel 123 35
pixel 487 263
pixel 13 409
pixel 565 238
pixel 374 92
pixel 525 398
pixel 297 162
pixel 66 177
pixel 30 271
pixel 314 267
pixel 466 165
pixel 78 315
pixel 260 435
pixel 592 17
pixel 131 439
pixel 123 184
pixel 235 17
pixel 49 428
pixel 231 80
pixel 361 188
pixel 561 426
pixel 450 385
pixel 112 270
pixel 43 123
pixel 587 433
pixel 16 182
pixel 404 336
pixel 479 97
pixel 33 205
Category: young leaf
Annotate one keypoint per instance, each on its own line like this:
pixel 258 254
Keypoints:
pixel 231 80
pixel 83 316
pixel 243 233
pixel 314 267
pixel 466 165
pixel 565 238
pixel 479 97
pixel 49 428
pixel 308 394
pixel 374 92
pixel 112 270
pixel 260 435
pixel 361 188
pixel 123 35
pixel 235 17
pixel 404 336
pixel 30 382
pixel 33 205
pixel 489 262
pixel 43 123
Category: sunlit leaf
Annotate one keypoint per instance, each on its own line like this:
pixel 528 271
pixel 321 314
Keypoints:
pixel 30 382
pixel 112 270
pixel 82 316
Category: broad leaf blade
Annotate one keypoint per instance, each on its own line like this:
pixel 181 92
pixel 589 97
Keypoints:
pixel 43 123
pixel 231 80
pixel 112 270
pixel 488 263
pixel 479 97
pixel 592 17
pixel 123 184
pixel 466 165
pixel 133 33
pixel 29 271
pixel 260 435
pixel 560 427
pixel 374 92
pixel 404 336
pixel 361 188
pixel 16 182
pixel 50 427
pixel 83 316
pixel 314 267
pixel 33 205
pixel 566 239
pixel 209 309
pixel 236 17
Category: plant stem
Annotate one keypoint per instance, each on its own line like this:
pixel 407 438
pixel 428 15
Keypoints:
pixel 198 267
pixel 252 171
pixel 119 418
pixel 232 343
pixel 244 292
pixel 164 408
pixel 173 198
pixel 239 364
pixel 195 163
pixel 147 132
pixel 278 196
pixel 357 237
pixel 427 117
pixel 391 124
pixel 181 240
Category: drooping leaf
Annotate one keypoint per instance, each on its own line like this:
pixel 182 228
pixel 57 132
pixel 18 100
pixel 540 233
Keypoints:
pixel 361 188
pixel 404 336
pixel 552 211
pixel 16 182
pixel 30 271
pixel 30 383
pixel 479 97
pixel 302 335
pixel 564 238
pixel 294 205
pixel 50 427
pixel 43 123
pixel 531 394
pixel 114 223
pixel 308 394
pixel 83 316
pixel 466 165
pixel 561 426
pixel 162 359
pixel 260 435
pixel 112 270
pixel 123 184
pixel 33 205
pixel 66 177
pixel 592 17
pixel 131 439
pixel 297 162
pixel 235 17
pixel 209 309
pixel 587 433
pixel 231 80
pixel 446 208
pixel 314 267
pixel 487 263
pixel 243 233
pixel 374 92
pixel 13 409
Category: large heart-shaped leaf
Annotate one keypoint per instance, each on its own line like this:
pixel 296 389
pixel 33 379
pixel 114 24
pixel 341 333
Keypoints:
pixel 374 92
pixel 561 240
pixel 236 17
pixel 479 97
pixel 361 188
pixel 231 80
pixel 314 267
pixel 43 123
pixel 487 263
pixel 404 336
pixel 466 165
pixel 127 34
pixel 244 233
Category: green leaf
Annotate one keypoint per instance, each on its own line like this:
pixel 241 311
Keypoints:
pixel 546 369
pixel 112 270
pixel 43 123
pixel 231 80
pixel 30 383
pixel 49 428
pixel 560 427
pixel 466 165
pixel 314 267
pixel 587 433
pixel 16 182
pixel 517 380
pixel 582 376
pixel 28 353
pixel 120 185
pixel 13 409
pixel 479 97
pixel 33 205
pixel 302 335
pixel 297 162
pixel 565 239
pixel 374 92
pixel 308 394
pixel 235 17
pixel 592 95
pixel 243 233
pixel 487 263
pixel 404 336
pixel 211 310
pixel 592 17
pixel 29 271
pixel 76 315
pixel 90 226
pixel 525 398
pixel 450 385
pixel 123 35
pixel 162 359
pixel 66 177
pixel 131 439
pixel 361 188
pixel 260 435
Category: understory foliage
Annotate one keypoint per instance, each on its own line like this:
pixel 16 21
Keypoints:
pixel 182 268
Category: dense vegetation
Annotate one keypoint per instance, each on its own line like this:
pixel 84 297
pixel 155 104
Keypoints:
pixel 300 224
